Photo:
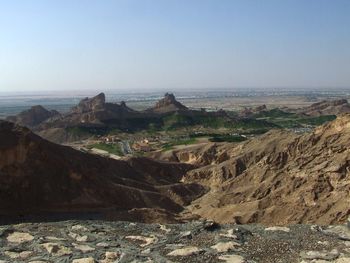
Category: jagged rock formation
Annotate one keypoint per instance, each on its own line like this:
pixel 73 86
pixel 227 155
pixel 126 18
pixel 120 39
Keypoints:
pixel 248 112
pixel 95 116
pixel 94 111
pixel 278 178
pixel 37 176
pixel 168 104
pixel 34 116
pixel 326 107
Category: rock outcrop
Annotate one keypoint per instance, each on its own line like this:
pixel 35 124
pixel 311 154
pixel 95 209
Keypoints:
pixel 93 112
pixel 33 116
pixel 248 112
pixel 168 104
pixel 37 176
pixel 326 107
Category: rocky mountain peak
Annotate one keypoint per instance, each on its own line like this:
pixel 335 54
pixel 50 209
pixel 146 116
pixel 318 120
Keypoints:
pixel 169 97
pixel 33 116
pixel 168 104
pixel 91 104
pixel 123 104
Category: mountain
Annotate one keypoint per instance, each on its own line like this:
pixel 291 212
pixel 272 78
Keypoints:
pixel 33 116
pixel 37 176
pixel 167 104
pixel 93 112
pixel 249 112
pixel 94 116
pixel 326 107
pixel 276 179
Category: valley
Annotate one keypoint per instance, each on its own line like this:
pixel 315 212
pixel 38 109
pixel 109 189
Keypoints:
pixel 217 184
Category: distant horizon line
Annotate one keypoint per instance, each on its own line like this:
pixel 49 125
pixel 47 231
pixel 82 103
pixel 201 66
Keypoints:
pixel 183 89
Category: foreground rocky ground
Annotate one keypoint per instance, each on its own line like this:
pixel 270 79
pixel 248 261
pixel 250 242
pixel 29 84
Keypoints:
pixel 198 241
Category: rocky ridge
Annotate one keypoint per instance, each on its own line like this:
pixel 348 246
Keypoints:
pixel 326 107
pixel 278 178
pixel 40 177
pixel 92 111
pixel 167 104
pixel 248 112
pixel 33 116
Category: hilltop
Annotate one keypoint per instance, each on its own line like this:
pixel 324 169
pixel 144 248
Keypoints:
pixel 168 104
pixel 33 116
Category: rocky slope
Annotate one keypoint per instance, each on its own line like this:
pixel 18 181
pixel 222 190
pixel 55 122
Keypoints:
pixel 249 112
pixel 33 116
pixel 37 176
pixel 278 178
pixel 168 104
pixel 94 112
pixel 197 241
pixel 326 107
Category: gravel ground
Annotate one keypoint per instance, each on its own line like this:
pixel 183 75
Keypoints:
pixel 197 241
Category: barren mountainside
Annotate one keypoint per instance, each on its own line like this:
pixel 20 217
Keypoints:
pixel 33 116
pixel 277 178
pixel 326 107
pixel 39 176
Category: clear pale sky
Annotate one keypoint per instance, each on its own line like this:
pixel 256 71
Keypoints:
pixel 173 44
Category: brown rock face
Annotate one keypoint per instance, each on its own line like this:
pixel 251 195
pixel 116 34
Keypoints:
pixel 276 179
pixel 168 104
pixel 92 112
pixel 94 104
pixel 32 117
pixel 332 107
pixel 248 112
pixel 39 176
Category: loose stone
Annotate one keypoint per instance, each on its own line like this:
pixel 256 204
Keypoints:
pixel 225 246
pixel 186 251
pixel 19 237
pixel 277 228
pixel 232 258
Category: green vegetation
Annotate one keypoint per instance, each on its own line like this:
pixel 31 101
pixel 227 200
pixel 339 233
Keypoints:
pixel 79 131
pixel 216 126
pixel 227 138
pixel 315 121
pixel 170 145
pixel 176 120
pixel 111 148
pixel 291 120
pixel 273 113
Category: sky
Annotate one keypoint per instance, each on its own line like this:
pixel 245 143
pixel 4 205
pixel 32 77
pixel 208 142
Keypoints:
pixel 173 44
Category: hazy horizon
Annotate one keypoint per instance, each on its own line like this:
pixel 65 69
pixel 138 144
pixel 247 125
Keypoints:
pixel 173 45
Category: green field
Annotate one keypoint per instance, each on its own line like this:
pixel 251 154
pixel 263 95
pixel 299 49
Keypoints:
pixel 111 148
pixel 292 120
pixel 227 138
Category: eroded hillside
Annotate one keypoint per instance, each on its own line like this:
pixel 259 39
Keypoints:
pixel 37 176
pixel 277 178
